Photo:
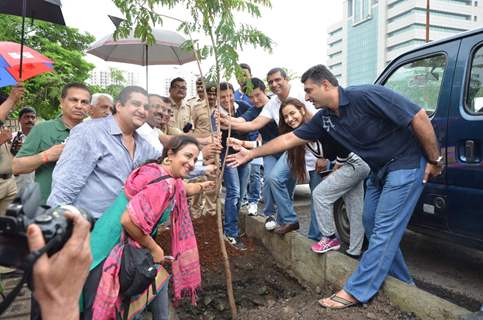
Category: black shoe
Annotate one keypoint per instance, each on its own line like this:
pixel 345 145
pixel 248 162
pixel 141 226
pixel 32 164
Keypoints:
pixel 286 228
pixel 235 242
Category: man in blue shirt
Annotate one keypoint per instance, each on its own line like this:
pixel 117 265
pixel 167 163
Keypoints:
pixel 268 132
pixel 100 154
pixel 395 137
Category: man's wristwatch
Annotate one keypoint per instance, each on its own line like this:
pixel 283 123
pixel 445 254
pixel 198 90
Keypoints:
pixel 438 162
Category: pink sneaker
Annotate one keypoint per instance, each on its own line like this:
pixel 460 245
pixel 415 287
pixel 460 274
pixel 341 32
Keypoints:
pixel 326 244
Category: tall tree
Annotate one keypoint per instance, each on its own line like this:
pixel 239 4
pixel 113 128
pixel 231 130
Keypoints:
pixel 216 19
pixel 64 45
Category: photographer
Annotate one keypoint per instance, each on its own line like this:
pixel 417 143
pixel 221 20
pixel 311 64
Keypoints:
pixel 58 280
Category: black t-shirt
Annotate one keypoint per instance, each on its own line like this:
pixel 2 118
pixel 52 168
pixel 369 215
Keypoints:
pixel 268 132
pixel 242 108
pixel 374 123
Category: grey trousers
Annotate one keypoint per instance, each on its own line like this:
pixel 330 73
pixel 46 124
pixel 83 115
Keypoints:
pixel 346 182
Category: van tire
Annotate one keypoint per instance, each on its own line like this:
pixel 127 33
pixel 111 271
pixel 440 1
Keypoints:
pixel 342 222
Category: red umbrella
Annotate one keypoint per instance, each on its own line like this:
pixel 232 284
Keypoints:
pixel 34 63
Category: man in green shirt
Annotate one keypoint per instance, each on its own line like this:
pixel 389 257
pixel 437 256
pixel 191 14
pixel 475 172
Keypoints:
pixel 45 143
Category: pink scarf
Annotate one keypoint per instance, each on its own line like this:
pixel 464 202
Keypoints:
pixel 147 202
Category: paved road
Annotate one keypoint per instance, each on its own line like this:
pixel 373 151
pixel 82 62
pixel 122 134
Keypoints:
pixel 443 268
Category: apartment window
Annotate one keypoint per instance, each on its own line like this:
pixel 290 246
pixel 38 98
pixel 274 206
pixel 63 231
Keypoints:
pixel 349 8
pixel 362 10
pixel 420 81
pixel 474 87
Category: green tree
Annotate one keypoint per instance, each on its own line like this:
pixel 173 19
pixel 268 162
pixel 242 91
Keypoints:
pixel 65 46
pixel 118 82
pixel 216 19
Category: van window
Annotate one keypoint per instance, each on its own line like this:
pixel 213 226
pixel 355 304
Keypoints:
pixel 420 81
pixel 474 87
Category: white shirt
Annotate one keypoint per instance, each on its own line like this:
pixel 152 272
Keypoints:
pixel 272 111
pixel 272 108
pixel 151 135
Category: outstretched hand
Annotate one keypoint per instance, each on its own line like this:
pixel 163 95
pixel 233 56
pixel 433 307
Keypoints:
pixel 239 158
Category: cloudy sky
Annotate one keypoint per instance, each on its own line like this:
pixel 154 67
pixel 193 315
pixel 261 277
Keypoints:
pixel 298 29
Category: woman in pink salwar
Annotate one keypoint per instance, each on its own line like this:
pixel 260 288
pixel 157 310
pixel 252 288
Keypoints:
pixel 152 201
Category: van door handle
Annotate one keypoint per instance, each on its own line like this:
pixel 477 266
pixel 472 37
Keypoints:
pixel 470 150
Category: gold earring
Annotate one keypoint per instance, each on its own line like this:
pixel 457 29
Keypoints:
pixel 166 161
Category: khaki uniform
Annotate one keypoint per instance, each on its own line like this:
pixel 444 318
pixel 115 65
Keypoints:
pixel 205 203
pixel 200 114
pixel 181 115
pixel 8 187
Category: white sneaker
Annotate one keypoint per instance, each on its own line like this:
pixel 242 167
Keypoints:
pixel 270 224
pixel 252 209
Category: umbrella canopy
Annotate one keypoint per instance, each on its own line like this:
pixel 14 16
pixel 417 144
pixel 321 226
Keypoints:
pixel 46 10
pixel 166 49
pixel 34 63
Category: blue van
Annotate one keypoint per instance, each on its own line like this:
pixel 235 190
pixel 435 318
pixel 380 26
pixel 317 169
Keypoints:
pixel 445 77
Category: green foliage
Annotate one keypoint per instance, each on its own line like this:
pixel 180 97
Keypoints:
pixel 118 83
pixel 214 18
pixel 63 45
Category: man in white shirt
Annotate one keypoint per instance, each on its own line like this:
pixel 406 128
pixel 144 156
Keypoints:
pixel 280 178
pixel 153 120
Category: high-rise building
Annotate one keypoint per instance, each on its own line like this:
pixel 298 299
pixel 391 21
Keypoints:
pixel 105 78
pixel 373 32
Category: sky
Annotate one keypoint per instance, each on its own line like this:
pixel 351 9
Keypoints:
pixel 298 29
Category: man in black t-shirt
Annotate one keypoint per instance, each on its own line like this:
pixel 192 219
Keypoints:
pixel 396 138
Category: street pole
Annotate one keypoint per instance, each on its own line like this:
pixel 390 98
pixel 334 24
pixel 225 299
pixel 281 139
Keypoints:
pixel 427 21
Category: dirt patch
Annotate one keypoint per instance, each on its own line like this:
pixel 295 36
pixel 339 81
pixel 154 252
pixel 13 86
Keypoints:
pixel 262 289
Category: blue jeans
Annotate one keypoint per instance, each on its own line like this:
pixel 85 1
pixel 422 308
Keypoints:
pixel 269 204
pixel 253 192
pixel 387 210
pixel 282 185
pixel 314 232
pixel 160 304
pixel 235 180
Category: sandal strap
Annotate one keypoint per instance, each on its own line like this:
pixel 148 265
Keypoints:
pixel 341 300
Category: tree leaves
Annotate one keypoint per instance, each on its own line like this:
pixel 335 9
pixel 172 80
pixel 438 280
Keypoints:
pixel 214 18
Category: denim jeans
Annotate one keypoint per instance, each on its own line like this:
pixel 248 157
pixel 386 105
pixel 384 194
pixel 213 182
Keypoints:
pixel 235 180
pixel 282 185
pixel 314 232
pixel 160 304
pixel 269 204
pixel 387 210
pixel 254 183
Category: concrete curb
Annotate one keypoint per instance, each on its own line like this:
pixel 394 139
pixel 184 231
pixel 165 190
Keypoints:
pixel 292 251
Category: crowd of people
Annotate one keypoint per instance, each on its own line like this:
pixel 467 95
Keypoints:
pixel 144 161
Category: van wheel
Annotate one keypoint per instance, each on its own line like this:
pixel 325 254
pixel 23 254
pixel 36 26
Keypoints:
pixel 342 221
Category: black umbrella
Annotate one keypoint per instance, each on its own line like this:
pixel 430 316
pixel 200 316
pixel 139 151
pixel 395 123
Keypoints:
pixel 46 10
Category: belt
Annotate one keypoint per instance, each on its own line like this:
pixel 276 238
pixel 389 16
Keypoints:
pixel 5 176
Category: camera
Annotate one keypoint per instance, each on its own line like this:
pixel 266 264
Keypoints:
pixel 26 210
